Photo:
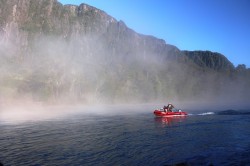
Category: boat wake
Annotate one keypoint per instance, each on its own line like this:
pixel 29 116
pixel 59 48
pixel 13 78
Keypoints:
pixel 225 112
pixel 202 114
pixel 207 113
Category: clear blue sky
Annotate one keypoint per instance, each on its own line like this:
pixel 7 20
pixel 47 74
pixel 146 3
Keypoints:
pixel 217 25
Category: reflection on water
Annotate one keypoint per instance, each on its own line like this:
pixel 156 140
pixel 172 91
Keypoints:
pixel 168 121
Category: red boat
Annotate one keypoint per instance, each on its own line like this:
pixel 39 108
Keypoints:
pixel 161 113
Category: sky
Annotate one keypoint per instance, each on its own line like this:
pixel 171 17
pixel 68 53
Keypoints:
pixel 216 25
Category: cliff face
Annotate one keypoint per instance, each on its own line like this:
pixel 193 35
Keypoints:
pixel 25 21
pixel 208 59
pixel 51 52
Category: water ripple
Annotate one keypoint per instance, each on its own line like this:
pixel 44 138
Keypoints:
pixel 127 140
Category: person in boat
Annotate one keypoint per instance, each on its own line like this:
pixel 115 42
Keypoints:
pixel 170 107
pixel 165 108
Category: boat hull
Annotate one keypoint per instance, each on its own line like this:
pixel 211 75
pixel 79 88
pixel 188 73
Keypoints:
pixel 159 113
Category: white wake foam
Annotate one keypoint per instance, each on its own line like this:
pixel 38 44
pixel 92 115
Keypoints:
pixel 206 113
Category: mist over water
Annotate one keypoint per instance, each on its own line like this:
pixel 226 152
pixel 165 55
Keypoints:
pixel 100 62
pixel 38 113
pixel 56 74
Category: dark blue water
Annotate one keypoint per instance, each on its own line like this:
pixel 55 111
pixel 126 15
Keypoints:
pixel 128 139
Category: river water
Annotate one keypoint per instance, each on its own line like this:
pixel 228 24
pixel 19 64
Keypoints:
pixel 127 139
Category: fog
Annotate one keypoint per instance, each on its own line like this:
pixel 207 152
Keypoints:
pixel 34 112
pixel 41 72
pixel 83 69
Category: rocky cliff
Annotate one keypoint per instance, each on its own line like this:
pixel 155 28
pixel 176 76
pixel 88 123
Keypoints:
pixel 54 52
pixel 208 59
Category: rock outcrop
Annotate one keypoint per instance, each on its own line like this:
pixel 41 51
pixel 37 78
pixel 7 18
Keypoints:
pixel 208 59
